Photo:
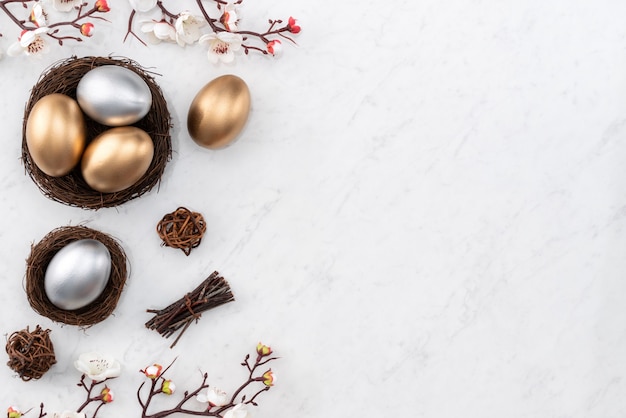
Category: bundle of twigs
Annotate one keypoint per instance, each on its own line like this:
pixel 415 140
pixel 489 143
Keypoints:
pixel 212 292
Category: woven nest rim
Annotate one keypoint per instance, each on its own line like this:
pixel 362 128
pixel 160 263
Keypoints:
pixel 39 258
pixel 71 189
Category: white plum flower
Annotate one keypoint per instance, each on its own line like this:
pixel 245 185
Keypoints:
pixel 65 5
pixel 158 31
pixel 230 17
pixel 188 28
pixel 222 46
pixel 97 367
pixel 142 5
pixel 239 411
pixel 214 396
pixel 30 42
pixel 38 16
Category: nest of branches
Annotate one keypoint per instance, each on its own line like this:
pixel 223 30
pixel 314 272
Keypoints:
pixel 31 354
pixel 71 189
pixel 40 256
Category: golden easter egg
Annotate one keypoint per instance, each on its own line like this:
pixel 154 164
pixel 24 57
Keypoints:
pixel 55 134
pixel 117 158
pixel 219 112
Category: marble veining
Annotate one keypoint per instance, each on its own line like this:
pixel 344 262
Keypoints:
pixel 424 216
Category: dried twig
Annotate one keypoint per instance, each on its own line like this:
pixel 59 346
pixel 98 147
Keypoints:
pixel 212 292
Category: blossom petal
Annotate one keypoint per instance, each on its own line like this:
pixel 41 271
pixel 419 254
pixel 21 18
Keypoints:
pixel 65 5
pixel 213 58
pixel 27 38
pixel 97 367
pixel 147 26
pixel 228 57
pixel 207 38
pixel 164 31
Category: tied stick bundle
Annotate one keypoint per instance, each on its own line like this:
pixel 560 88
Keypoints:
pixel 212 292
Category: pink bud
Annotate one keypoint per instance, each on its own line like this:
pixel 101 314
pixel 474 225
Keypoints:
pixel 154 371
pixel 102 6
pixel 274 47
pixel 86 29
pixel 293 28
pixel 106 395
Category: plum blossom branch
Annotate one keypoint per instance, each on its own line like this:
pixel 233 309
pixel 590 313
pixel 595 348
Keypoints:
pixel 224 37
pixel 36 28
pixel 98 369
pixel 216 402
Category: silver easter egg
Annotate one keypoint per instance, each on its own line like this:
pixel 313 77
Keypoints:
pixel 113 95
pixel 77 274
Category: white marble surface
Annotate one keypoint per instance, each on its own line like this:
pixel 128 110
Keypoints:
pixel 425 215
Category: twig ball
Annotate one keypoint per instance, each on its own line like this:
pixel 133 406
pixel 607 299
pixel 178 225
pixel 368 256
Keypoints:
pixel 31 354
pixel 40 256
pixel 182 229
pixel 71 189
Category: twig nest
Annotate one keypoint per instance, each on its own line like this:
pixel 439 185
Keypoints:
pixel 31 354
pixel 72 189
pixel 182 229
pixel 37 264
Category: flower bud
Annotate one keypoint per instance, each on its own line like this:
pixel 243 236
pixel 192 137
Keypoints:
pixel 293 28
pixel 268 378
pixel 263 350
pixel 102 6
pixel 168 387
pixel 229 18
pixel 274 47
pixel 13 412
pixel 106 395
pixel 86 29
pixel 153 372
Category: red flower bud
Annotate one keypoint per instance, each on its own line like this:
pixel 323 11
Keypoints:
pixel 106 395
pixel 293 28
pixel 102 6
pixel 86 29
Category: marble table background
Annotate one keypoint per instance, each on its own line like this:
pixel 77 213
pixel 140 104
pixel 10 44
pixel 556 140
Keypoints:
pixel 425 215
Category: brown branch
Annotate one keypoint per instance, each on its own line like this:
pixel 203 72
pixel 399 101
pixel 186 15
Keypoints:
pixel 73 23
pixel 97 409
pixel 89 389
pixel 208 18
pixel 251 400
pixel 20 23
pixel 130 28
pixel 217 26
pixel 255 48
pixel 166 12
pixel 180 407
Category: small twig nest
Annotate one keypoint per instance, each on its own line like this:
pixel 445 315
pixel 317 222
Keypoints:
pixel 71 189
pixel 31 354
pixel 182 229
pixel 38 261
